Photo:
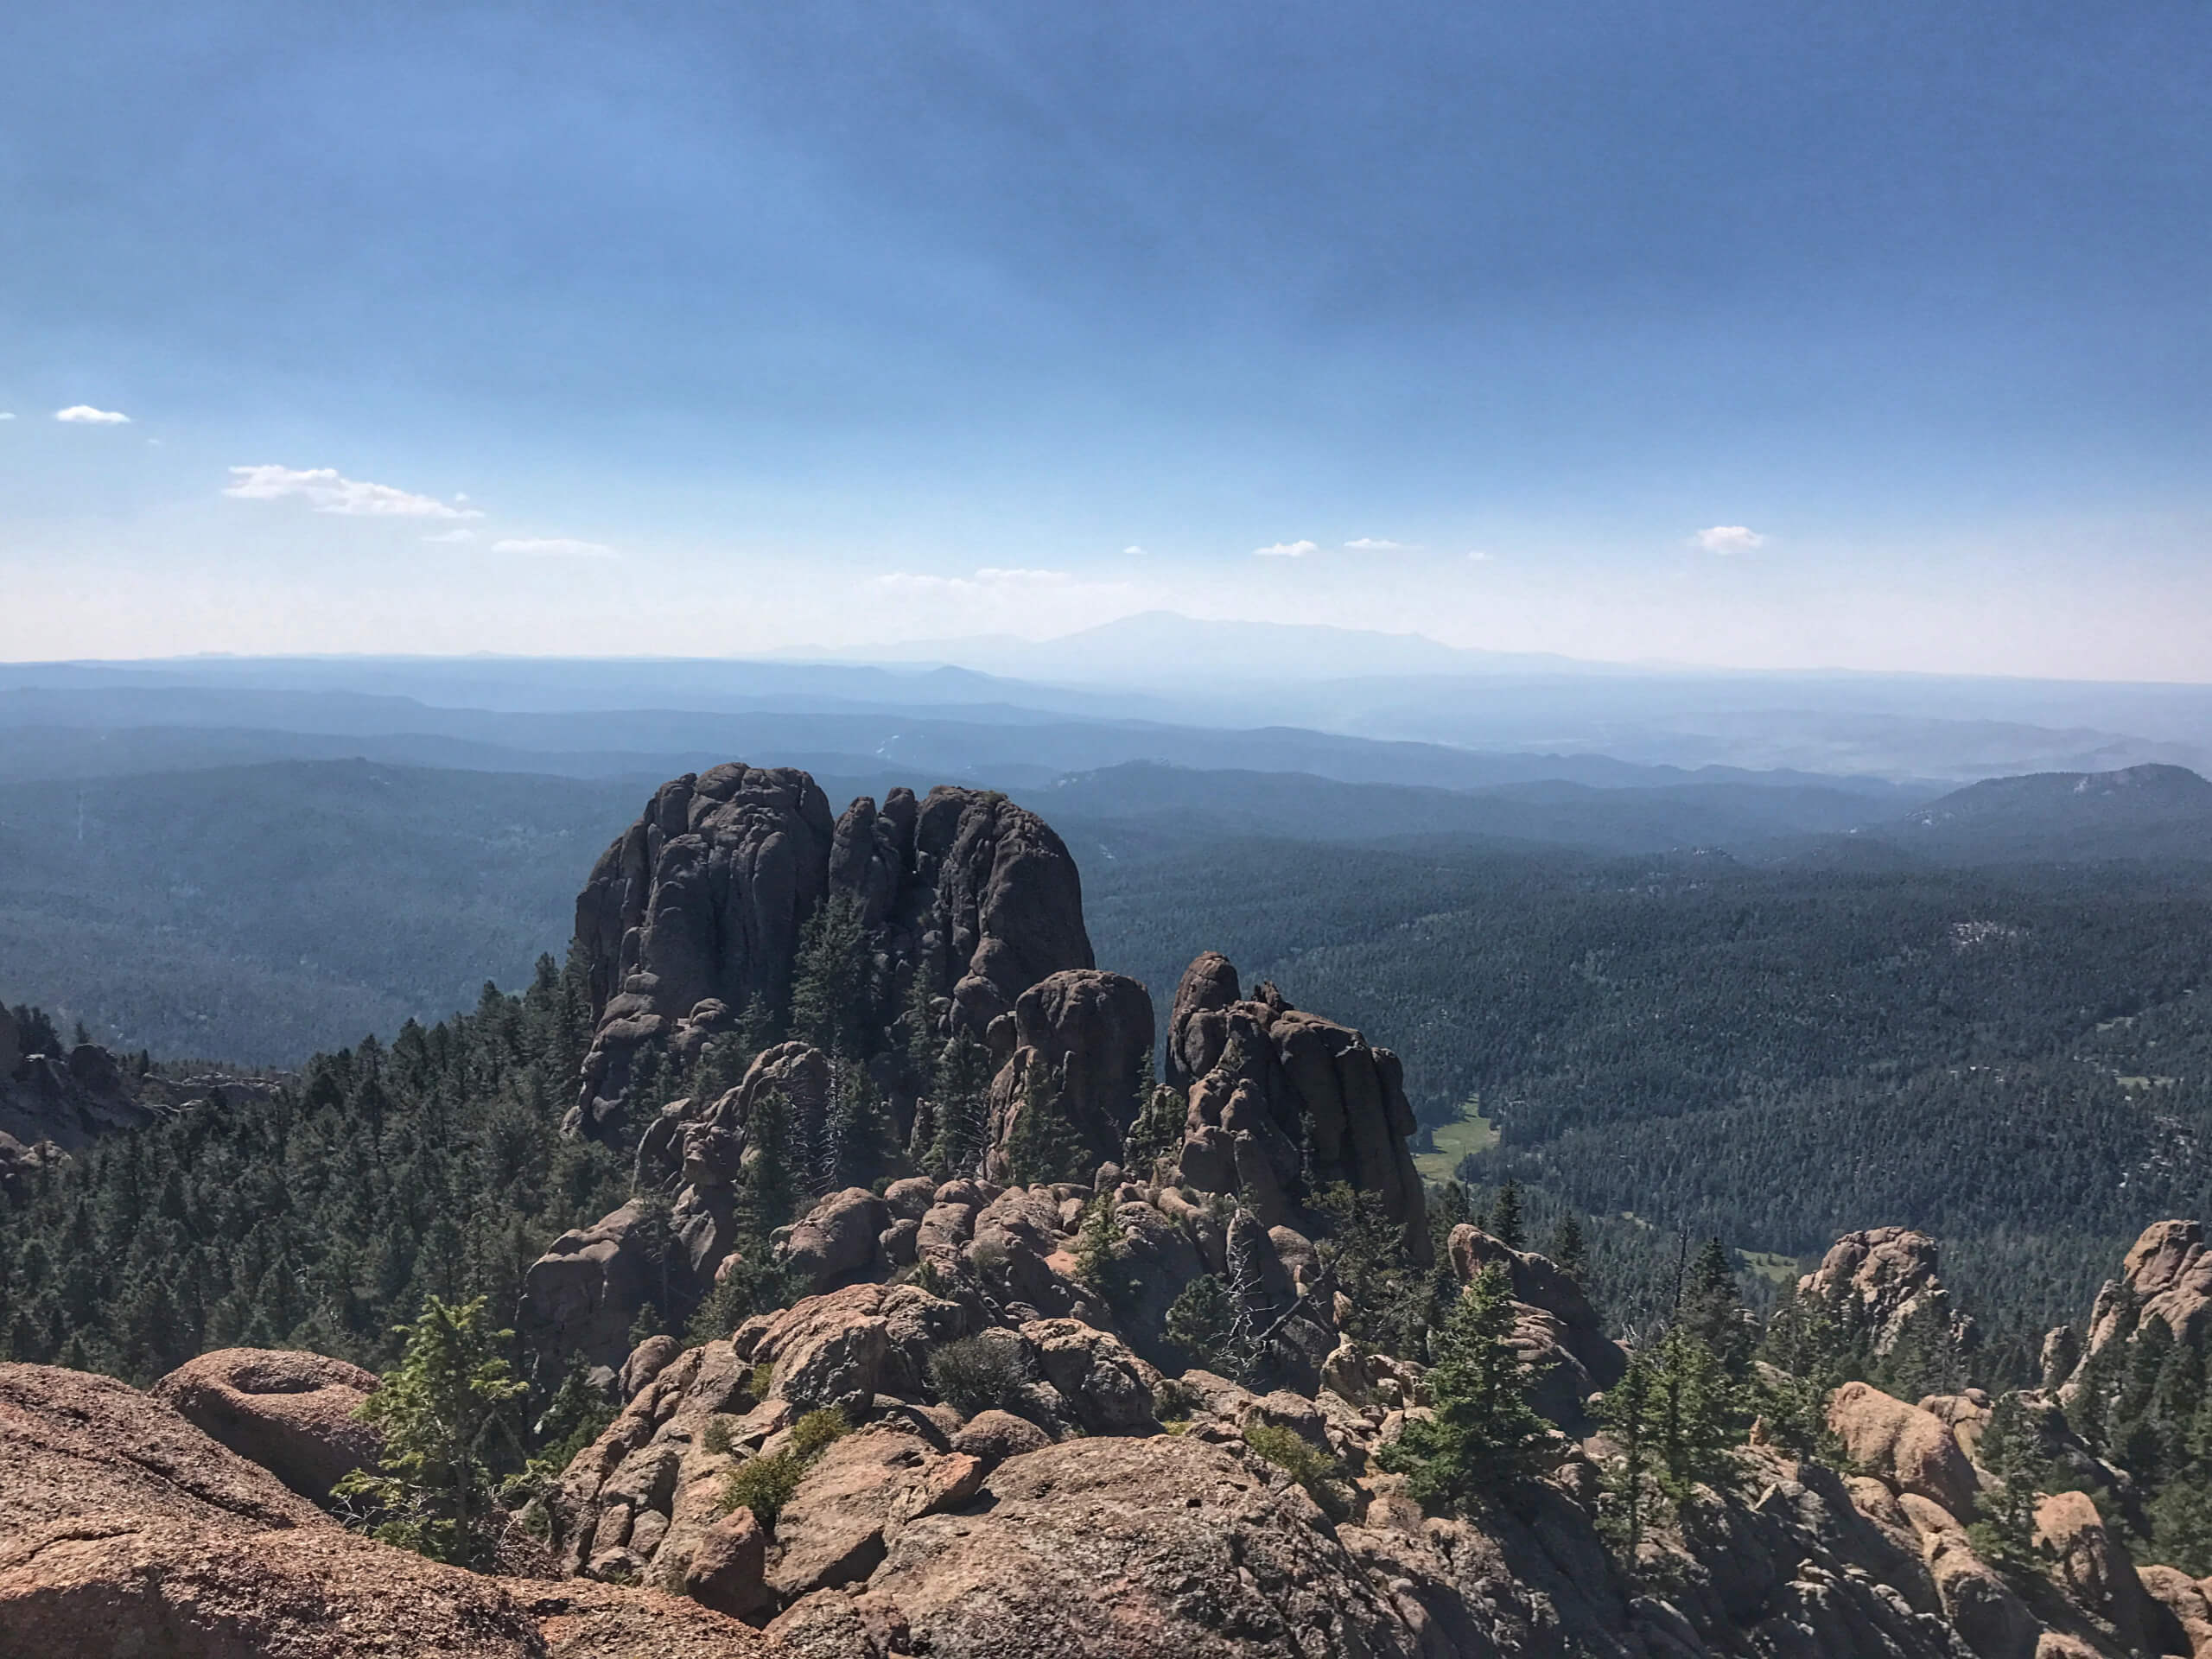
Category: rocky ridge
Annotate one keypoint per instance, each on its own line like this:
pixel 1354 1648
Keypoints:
pixel 694 914
pixel 1104 1507
pixel 132 1533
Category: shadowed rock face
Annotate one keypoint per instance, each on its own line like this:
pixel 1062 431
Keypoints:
pixel 70 1099
pixel 697 909
pixel 701 901
pixel 1267 1082
pixel 1082 1036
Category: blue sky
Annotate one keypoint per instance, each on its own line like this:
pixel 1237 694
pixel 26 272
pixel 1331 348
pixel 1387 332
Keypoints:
pixel 1869 335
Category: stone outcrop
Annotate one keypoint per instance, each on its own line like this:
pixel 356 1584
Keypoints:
pixel 1912 1450
pixel 2094 1568
pixel 695 913
pixel 1100 1548
pixel 2166 1275
pixel 67 1100
pixel 1280 1099
pixel 1888 1277
pixel 583 1294
pixel 1081 1039
pixel 291 1413
pixel 131 1532
pixel 1556 1330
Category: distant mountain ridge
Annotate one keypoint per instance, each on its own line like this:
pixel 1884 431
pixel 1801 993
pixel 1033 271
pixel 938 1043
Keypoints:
pixel 2144 811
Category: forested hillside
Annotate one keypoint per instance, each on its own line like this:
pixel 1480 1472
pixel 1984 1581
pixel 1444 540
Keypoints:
pixel 2016 1060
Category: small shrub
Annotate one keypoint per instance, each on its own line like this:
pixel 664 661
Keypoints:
pixel 764 1485
pixel 988 1256
pixel 812 1434
pixel 974 1374
pixel 1174 1401
pixel 1298 1458
pixel 716 1438
pixel 763 1379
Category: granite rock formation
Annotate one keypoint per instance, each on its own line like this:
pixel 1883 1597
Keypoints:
pixel 1081 1039
pixel 1280 1100
pixel 695 913
pixel 291 1413
pixel 2166 1275
pixel 130 1532
pixel 1885 1279
pixel 68 1100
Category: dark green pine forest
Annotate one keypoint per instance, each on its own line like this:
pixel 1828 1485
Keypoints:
pixel 430 1166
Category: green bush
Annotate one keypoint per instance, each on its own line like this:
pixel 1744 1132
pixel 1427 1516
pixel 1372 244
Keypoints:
pixel 974 1374
pixel 812 1434
pixel 1297 1457
pixel 764 1485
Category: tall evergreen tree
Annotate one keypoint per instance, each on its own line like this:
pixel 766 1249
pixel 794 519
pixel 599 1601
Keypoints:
pixel 1504 1223
pixel 1484 1435
pixel 441 1409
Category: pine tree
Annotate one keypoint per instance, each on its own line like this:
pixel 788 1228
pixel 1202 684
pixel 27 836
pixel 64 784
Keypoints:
pixel 961 1089
pixel 832 988
pixel 769 1186
pixel 1712 1311
pixel 1626 1410
pixel 1567 1250
pixel 1504 1223
pixel 450 1395
pixel 861 1145
pixel 2011 1448
pixel 1700 1414
pixel 1043 1146
pixel 1485 1433
pixel 1199 1322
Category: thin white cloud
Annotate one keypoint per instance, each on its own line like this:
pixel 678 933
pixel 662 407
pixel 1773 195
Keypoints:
pixel 1478 557
pixel 553 547
pixel 321 488
pixel 1729 538
pixel 1286 550
pixel 85 415
pixel 4 415
pixel 1376 544
pixel 1135 551
pixel 450 537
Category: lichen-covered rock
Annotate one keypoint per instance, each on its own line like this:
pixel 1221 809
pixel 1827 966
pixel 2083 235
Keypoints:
pixel 1108 1387
pixel 831 1532
pixel 121 1587
pixel 294 1414
pixel 131 1532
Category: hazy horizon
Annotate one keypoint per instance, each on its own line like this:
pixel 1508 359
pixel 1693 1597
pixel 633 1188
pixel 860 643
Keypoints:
pixel 1872 341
